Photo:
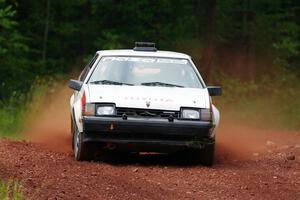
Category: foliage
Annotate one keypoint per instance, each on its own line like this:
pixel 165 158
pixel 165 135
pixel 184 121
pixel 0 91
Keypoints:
pixel 13 113
pixel 14 65
pixel 10 190
pixel 11 116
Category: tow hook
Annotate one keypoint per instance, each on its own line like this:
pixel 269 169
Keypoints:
pixel 110 146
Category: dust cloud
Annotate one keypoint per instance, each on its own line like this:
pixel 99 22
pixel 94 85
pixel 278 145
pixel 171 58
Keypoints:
pixel 235 140
pixel 50 126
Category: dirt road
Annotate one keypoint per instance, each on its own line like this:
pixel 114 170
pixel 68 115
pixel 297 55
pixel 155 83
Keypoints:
pixel 251 164
pixel 46 174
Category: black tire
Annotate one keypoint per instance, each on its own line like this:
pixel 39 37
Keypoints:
pixel 72 133
pixel 82 151
pixel 207 155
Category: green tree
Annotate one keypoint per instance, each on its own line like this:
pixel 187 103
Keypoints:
pixel 13 63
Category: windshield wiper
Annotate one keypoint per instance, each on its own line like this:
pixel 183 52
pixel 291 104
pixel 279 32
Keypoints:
pixel 160 84
pixel 108 82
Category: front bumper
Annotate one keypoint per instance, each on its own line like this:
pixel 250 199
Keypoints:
pixel 147 134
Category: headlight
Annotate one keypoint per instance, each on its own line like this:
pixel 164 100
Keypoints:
pixel 190 113
pixel 196 114
pixel 106 110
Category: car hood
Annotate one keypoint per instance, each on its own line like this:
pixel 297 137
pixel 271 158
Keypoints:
pixel 149 97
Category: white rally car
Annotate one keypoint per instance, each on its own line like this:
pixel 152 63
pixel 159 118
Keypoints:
pixel 143 100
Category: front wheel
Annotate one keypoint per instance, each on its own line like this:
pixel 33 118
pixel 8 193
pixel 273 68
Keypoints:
pixel 207 155
pixel 82 151
pixel 72 133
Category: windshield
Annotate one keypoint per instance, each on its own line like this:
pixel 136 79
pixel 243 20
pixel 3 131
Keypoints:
pixel 147 71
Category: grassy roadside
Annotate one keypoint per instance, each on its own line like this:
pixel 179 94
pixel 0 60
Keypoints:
pixel 19 108
pixel 268 102
pixel 10 190
pixel 12 113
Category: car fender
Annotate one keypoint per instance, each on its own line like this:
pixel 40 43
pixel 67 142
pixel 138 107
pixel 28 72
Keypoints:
pixel 77 109
pixel 216 119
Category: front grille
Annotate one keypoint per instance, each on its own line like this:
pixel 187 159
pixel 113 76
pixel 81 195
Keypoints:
pixel 136 112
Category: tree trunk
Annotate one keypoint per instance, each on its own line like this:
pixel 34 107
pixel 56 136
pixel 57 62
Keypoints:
pixel 208 51
pixel 197 14
pixel 248 62
pixel 46 30
pixel 83 35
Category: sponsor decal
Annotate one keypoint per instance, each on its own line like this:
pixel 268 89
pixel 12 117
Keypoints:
pixel 145 60
pixel 148 99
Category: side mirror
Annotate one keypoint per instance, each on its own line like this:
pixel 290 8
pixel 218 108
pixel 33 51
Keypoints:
pixel 214 90
pixel 75 85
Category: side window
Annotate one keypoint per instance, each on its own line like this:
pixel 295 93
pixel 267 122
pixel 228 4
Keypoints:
pixel 87 68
